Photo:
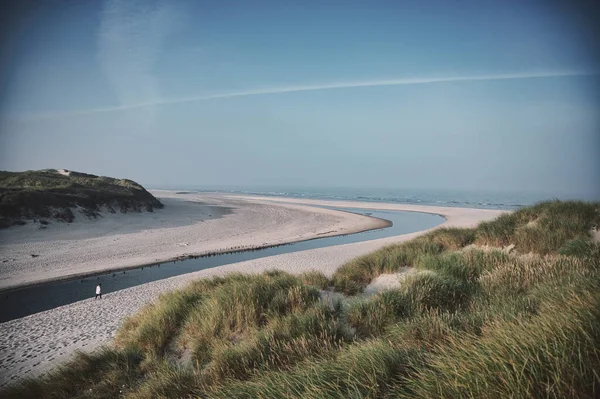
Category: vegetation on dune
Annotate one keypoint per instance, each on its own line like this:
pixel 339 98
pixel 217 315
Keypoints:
pixel 543 228
pixel 48 194
pixel 470 322
pixel 315 279
pixel 546 228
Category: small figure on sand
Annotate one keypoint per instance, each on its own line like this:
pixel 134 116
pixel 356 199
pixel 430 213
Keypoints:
pixel 98 291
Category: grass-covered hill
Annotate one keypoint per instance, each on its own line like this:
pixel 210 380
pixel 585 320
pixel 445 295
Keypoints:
pixel 54 195
pixel 473 320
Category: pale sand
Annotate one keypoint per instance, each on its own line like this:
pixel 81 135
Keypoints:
pixel 33 344
pixel 187 226
pixel 388 281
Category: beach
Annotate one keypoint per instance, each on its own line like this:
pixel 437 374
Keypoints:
pixel 34 344
pixel 189 225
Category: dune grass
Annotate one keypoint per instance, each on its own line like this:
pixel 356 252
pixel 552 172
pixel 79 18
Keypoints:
pixel 47 194
pixel 552 354
pixel 545 228
pixel 471 321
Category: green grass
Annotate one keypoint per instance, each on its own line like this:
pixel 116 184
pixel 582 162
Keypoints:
pixel 543 228
pixel 47 194
pixel 555 353
pixel 316 279
pixel 470 322
pixel 358 371
pixel 580 248
pixel 352 277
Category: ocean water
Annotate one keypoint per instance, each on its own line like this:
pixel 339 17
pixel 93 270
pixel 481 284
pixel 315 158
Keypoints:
pixel 454 198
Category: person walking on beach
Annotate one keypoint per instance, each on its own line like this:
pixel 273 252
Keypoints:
pixel 98 291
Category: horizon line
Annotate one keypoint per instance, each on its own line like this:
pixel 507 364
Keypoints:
pixel 313 87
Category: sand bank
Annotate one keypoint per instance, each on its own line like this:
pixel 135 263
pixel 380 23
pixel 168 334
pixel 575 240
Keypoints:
pixel 189 225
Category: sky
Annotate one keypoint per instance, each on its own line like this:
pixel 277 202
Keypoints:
pixel 469 95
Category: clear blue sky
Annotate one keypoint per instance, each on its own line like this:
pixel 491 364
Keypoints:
pixel 494 95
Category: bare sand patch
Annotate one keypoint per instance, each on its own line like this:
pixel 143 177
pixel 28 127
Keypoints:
pixel 595 235
pixel 388 281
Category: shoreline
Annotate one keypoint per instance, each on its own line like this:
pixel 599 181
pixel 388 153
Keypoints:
pixel 34 344
pixel 163 243
pixel 187 257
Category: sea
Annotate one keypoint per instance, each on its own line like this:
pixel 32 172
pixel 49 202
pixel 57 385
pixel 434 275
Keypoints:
pixel 453 198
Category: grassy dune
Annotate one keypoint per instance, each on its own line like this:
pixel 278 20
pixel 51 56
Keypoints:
pixel 475 320
pixel 50 195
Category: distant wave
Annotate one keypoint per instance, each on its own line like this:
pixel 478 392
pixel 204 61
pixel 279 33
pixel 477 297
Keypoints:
pixel 441 198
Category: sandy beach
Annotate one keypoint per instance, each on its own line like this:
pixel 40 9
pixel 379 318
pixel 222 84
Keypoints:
pixel 33 344
pixel 189 225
